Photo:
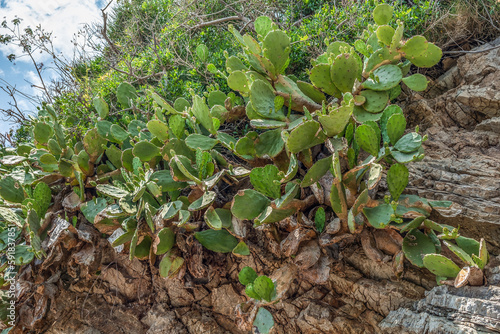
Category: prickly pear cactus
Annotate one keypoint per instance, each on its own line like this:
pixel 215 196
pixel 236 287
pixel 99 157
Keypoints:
pixel 142 180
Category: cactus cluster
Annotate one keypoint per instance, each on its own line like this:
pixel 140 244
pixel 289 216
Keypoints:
pixel 162 175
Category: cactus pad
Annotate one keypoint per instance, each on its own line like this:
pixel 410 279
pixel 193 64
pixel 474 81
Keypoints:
pixel 417 82
pixel 220 241
pixel 384 78
pixel 276 47
pixel 395 127
pixel 321 78
pixel 397 180
pixel 262 97
pixel 379 216
pixel 375 101
pixel 440 265
pixel 101 106
pixel 416 245
pixel 385 34
pixel 248 204
pixel 304 136
pixel 266 180
pixel 409 142
pixel 344 72
pixel 366 138
pixel 382 14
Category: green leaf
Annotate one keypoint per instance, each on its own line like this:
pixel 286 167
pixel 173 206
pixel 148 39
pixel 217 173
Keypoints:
pixel 417 82
pixel 397 180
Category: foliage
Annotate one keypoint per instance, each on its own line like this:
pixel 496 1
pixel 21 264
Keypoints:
pixel 151 175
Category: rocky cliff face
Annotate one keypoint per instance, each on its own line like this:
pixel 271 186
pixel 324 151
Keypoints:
pixel 344 292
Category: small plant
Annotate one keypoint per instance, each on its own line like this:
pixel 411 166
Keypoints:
pixel 260 288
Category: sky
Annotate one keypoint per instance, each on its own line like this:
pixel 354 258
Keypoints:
pixel 64 18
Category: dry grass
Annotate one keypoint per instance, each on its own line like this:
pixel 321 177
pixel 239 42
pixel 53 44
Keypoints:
pixel 466 24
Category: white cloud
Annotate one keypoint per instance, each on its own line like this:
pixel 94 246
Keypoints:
pixel 63 18
pixel 2 73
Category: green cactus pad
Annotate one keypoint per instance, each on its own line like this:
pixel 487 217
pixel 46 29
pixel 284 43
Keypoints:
pixel 398 35
pixel 272 214
pixel 101 106
pixel 385 34
pixel 11 189
pixel 395 127
pixel 375 101
pixel 304 136
pixel 387 113
pixel 182 169
pixel 460 253
pixel 213 219
pixel 316 172
pixel 125 93
pixel 204 201
pixel 266 180
pixel 366 138
pixel 114 155
pixel 310 91
pixel 42 132
pixel 54 147
pixel 247 275
pixel 415 46
pixel 469 245
pixel 111 191
pixel 165 181
pixel 417 82
pixel 145 151
pixel 202 114
pixel 159 129
pixel 397 180
pixel 238 81
pixel 234 64
pixel 379 216
pixel 344 72
pixel 276 47
pixel 338 199
pixel 336 121
pixel 385 78
pixel 181 104
pixel 267 124
pixel 262 97
pixel 118 134
pixel 409 142
pixel 197 141
pixel 382 14
pixel 93 144
pixel 385 55
pixel 264 287
pixel 321 78
pixel 164 241
pixel 248 204
pixel 202 52
pixel 220 241
pixel 407 226
pixel 440 265
pixel 361 116
pixel 334 48
pixel 263 25
pixel 429 58
pixel 416 245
